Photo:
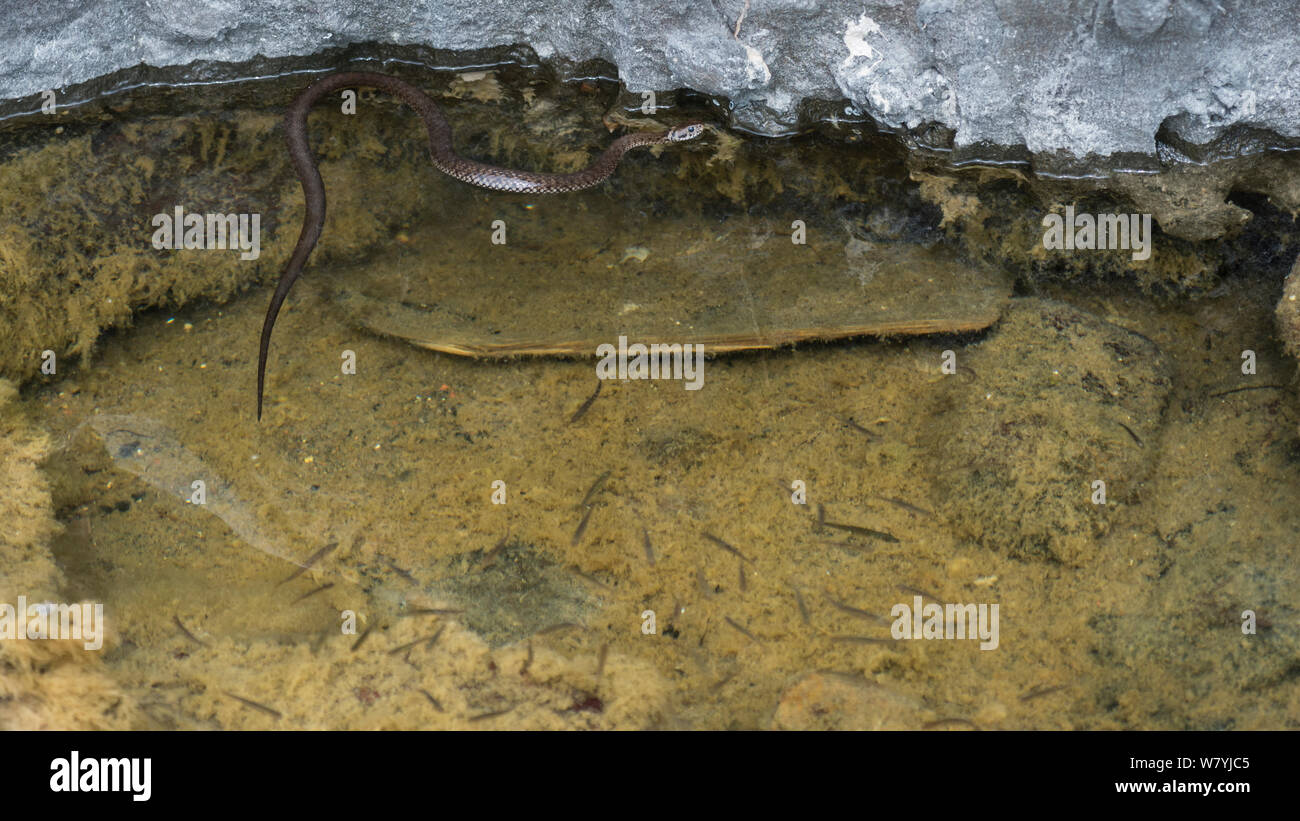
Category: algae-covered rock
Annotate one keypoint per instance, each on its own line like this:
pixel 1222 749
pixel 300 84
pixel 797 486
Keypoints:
pixel 26 566
pixel 45 684
pixel 1046 431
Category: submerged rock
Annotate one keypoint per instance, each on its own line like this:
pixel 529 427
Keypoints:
pixel 835 701
pixel 1054 402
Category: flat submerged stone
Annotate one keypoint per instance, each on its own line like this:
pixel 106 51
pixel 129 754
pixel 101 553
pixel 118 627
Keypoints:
pixel 728 292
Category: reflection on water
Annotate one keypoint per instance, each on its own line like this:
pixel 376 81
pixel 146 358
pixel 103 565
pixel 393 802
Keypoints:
pixel 415 538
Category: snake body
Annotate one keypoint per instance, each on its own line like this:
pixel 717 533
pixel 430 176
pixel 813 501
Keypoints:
pixel 445 159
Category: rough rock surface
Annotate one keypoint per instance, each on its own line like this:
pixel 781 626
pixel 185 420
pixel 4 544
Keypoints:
pixel 1094 77
pixel 1054 401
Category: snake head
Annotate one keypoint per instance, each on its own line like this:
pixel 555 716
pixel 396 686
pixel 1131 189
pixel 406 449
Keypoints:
pixel 682 133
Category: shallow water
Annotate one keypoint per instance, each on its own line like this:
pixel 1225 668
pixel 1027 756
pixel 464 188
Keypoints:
pixel 726 557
